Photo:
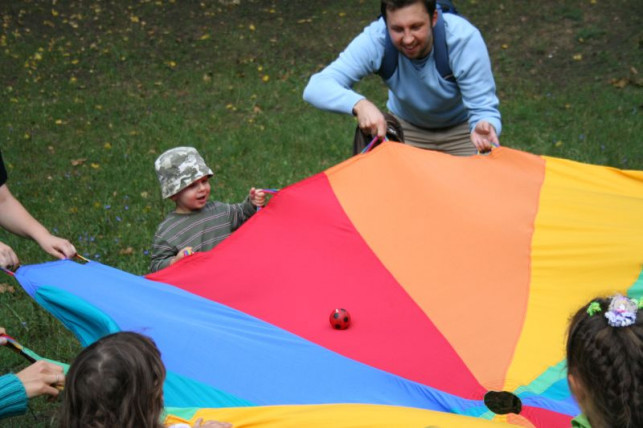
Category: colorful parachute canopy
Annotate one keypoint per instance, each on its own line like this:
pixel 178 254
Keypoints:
pixel 460 275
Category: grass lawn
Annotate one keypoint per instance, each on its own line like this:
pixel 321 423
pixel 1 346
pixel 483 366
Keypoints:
pixel 93 91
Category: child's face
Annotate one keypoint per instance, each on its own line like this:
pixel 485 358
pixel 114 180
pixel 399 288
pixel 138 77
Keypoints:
pixel 194 197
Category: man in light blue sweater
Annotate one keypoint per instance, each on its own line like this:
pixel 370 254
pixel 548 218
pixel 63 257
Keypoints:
pixel 457 115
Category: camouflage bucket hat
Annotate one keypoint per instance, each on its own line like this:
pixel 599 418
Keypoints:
pixel 179 167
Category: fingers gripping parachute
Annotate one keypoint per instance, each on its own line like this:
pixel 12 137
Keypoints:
pixel 459 274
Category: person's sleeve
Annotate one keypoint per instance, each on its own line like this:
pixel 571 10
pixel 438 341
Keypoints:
pixel 331 88
pixel 3 171
pixel 472 68
pixel 13 397
pixel 240 213
pixel 162 253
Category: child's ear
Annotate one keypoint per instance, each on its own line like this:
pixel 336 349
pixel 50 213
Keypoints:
pixel 174 197
pixel 576 388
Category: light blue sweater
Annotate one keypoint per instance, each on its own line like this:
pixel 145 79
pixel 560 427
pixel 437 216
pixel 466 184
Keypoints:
pixel 417 92
pixel 13 397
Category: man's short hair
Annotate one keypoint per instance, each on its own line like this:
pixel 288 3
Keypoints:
pixel 397 4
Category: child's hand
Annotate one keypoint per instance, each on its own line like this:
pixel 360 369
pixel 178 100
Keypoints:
pixel 214 424
pixel 187 251
pixel 257 197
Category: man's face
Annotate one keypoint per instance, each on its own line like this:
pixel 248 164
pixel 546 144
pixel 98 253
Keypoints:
pixel 411 30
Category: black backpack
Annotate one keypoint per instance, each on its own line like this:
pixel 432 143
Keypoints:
pixel 441 53
pixel 394 132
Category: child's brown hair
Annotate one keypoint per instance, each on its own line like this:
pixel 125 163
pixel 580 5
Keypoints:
pixel 605 361
pixel 115 382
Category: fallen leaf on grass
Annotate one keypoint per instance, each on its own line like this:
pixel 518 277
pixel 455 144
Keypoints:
pixel 620 83
pixel 76 162
pixel 6 288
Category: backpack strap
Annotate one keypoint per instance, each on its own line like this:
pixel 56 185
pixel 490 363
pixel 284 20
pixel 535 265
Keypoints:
pixel 447 6
pixel 389 61
pixel 440 51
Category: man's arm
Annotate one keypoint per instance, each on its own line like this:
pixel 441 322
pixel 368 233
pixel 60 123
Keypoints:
pixel 472 67
pixel 484 136
pixel 370 119
pixel 331 88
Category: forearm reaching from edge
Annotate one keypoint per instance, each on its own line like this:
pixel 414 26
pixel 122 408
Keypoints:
pixel 17 220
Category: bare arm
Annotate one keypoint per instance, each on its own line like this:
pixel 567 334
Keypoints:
pixel 16 219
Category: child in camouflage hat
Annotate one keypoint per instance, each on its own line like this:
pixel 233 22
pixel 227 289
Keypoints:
pixel 196 224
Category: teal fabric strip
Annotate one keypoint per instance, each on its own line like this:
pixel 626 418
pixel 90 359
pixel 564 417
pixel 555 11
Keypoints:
pixel 636 290
pixel 89 324
pixel 82 318
pixel 544 382
pixel 180 391
pixel 186 413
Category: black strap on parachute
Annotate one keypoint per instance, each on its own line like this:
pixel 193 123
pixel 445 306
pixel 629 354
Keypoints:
pixel 440 49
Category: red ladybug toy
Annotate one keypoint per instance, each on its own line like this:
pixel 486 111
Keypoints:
pixel 340 319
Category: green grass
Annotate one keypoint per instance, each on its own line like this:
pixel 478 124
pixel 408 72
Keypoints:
pixel 93 92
